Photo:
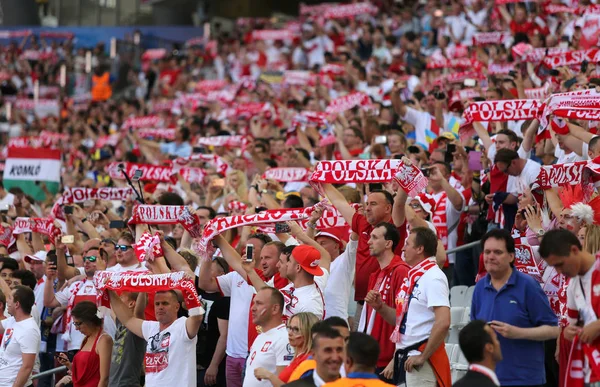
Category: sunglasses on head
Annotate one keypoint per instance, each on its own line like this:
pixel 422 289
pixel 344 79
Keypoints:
pixel 90 258
pixel 123 247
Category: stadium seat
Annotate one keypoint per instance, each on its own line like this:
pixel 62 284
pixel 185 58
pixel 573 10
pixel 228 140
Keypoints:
pixel 457 296
pixel 469 295
pixel 457 316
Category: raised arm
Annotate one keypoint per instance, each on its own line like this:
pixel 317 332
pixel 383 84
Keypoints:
pixel 529 137
pixel 234 260
pixel 483 134
pixel 399 209
pixel 124 315
pixel 338 200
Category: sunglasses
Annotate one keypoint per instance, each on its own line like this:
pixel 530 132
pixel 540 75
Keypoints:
pixel 90 258
pixel 123 247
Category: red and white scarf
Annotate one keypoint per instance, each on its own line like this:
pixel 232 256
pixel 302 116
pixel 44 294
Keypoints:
pixel 525 261
pixel 211 85
pixel 66 336
pixel 349 10
pixel 461 63
pixel 504 110
pixel 148 283
pixel 158 133
pixel 575 375
pixel 411 179
pixel 440 219
pixel 142 122
pixel 286 175
pixel 154 54
pixel 158 173
pixel 347 102
pixel 485 38
pixel 274 35
pixel 214 161
pixel 571 58
pixel 231 141
pixel 148 247
pixel 403 297
pixel 156 214
pixel 43 226
pixel 80 194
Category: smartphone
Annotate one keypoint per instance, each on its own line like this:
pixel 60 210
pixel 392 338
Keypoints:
pixel 117 224
pixel 282 228
pixel 68 239
pixel 260 209
pixel 470 82
pixel 52 258
pixel 137 175
pixel 568 84
pixel 249 252
pixel 425 172
pixel 219 182
pixel 440 95
pixel 584 66
pixel 380 139
pixel 554 73
pixel 68 210
pixel 449 156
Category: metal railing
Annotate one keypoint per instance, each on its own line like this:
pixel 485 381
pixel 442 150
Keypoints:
pixel 53 371
pixel 463 247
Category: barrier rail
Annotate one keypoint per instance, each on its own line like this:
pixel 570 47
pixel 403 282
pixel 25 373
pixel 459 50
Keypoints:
pixel 49 372
pixel 463 247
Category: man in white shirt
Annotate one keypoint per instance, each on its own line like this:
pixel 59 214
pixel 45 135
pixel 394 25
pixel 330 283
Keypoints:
pixel 38 268
pixel 126 258
pixel 6 198
pixel 21 339
pixel 339 288
pixel 479 343
pixel 171 349
pixel 422 326
pixel 271 350
pixel 526 171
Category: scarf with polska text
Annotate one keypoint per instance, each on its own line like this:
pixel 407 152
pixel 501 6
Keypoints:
pixel 406 290
pixel 230 141
pixel 214 161
pixel 347 102
pixel 142 122
pixel 267 220
pixel 148 283
pixel 485 38
pixel 159 214
pixel 503 110
pixel 286 175
pixel 158 173
pixel 575 375
pixel 342 11
pixel 580 172
pixel 157 133
pixel 80 194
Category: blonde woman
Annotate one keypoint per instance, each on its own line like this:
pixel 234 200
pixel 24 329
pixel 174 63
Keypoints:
pixel 591 242
pixel 298 327
pixel 237 183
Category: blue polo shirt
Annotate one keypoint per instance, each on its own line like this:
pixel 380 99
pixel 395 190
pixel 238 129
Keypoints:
pixel 520 302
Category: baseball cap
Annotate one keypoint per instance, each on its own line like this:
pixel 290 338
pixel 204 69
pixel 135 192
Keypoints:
pixel 308 258
pixel 332 233
pixel 39 256
pixel 449 135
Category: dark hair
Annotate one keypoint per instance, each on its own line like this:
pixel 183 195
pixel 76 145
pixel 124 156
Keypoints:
pixel 170 199
pixel 558 242
pixel 2 301
pixel 169 291
pixel 502 235
pixel 512 136
pixel 264 238
pixel 9 263
pixel 335 321
pixel 427 239
pixel 293 201
pixel 472 340
pixel 185 133
pixel 25 297
pixel 222 264
pixel 27 278
pixel 276 297
pixel 86 312
pixel 363 349
pixel 171 241
pixel 444 164
pixel 279 245
pixel 322 330
pixel 287 250
pixel 391 233
pixel 211 211
pixel 388 196
pixel 505 156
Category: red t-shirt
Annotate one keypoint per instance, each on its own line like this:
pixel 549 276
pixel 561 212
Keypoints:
pixel 526 28
pixel 365 263
pixel 398 271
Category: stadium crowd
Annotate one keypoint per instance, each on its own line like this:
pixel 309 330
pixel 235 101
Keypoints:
pixel 284 203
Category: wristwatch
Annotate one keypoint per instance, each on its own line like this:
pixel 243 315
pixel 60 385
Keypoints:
pixel 263 191
pixel 540 233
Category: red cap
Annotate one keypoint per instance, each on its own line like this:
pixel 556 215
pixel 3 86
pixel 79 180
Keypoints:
pixel 308 258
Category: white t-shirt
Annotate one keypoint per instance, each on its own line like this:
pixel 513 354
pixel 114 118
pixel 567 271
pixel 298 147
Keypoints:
pixel 86 291
pixel 173 347
pixel 307 298
pixel 452 217
pixel 339 286
pixel 234 286
pixel 120 269
pixel 564 157
pixel 270 350
pixel 518 184
pixel 19 338
pixel 8 200
pixel 38 292
pixel 430 291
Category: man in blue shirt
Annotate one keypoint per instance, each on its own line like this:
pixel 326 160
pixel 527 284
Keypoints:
pixel 516 307
pixel 180 147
